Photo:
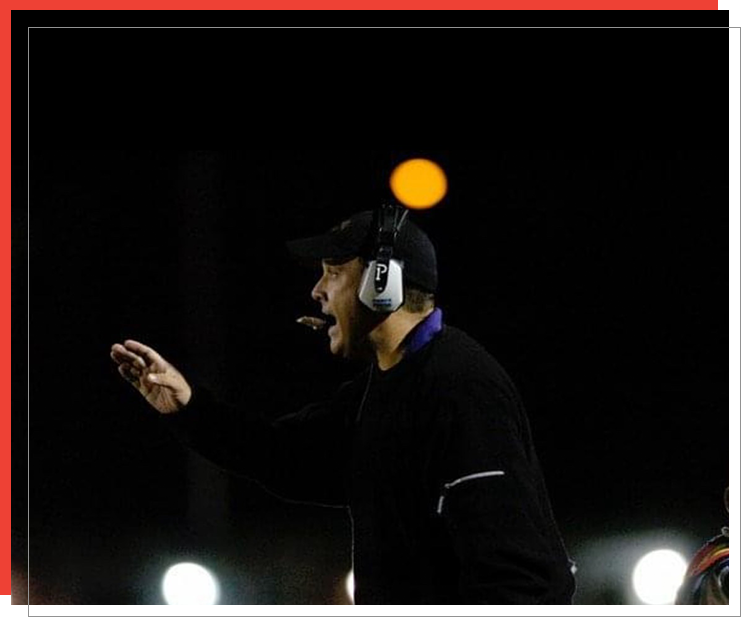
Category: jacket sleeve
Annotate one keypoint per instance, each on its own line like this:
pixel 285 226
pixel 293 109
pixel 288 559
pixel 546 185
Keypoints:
pixel 494 503
pixel 303 456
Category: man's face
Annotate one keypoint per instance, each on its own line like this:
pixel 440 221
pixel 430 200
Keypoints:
pixel 337 292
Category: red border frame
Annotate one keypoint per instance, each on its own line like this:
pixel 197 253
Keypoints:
pixel 397 5
pixel 5 271
pixel 5 278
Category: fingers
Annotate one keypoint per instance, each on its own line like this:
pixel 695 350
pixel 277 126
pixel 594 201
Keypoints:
pixel 143 367
pixel 150 355
pixel 166 379
pixel 135 376
pixel 120 355
pixel 130 374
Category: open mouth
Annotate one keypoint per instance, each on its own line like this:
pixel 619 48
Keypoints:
pixel 331 323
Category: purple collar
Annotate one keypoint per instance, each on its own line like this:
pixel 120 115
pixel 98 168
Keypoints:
pixel 425 331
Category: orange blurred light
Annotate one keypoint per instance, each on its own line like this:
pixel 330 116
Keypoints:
pixel 419 183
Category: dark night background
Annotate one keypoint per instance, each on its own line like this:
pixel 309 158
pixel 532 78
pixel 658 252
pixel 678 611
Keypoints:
pixel 597 278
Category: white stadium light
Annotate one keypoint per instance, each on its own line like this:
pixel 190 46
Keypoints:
pixel 658 575
pixel 350 586
pixel 189 583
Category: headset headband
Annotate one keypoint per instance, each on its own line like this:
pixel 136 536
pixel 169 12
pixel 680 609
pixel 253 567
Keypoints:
pixel 388 220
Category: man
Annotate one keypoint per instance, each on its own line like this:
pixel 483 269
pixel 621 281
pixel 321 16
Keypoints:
pixel 429 447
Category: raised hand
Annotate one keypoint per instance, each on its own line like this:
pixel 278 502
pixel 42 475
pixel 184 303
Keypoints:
pixel 155 378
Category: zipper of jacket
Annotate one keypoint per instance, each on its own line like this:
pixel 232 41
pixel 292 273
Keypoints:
pixel 365 395
pixel 473 476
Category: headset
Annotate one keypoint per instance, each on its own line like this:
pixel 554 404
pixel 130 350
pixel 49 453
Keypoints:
pixel 382 284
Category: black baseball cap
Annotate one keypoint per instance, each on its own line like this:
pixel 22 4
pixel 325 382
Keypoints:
pixel 356 237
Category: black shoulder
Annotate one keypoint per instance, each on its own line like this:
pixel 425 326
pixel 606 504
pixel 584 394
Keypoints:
pixel 458 359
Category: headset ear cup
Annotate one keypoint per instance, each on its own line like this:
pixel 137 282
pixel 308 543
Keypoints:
pixel 392 297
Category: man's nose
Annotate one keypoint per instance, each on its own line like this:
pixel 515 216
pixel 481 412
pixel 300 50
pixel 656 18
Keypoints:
pixel 318 293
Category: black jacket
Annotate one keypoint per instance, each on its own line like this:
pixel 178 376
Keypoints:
pixel 434 459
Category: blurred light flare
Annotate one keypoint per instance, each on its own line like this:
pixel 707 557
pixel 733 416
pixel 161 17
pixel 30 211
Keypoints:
pixel 658 575
pixel 189 583
pixel 419 183
pixel 350 586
